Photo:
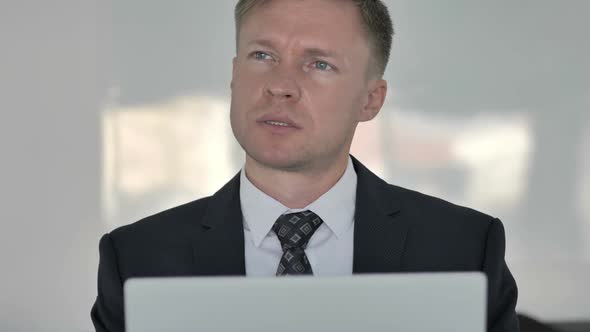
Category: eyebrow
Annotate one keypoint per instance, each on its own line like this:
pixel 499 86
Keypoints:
pixel 320 52
pixel 310 52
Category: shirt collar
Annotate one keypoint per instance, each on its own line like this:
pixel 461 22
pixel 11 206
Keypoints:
pixel 335 207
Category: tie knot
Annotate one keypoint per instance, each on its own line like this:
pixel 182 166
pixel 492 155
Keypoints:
pixel 295 229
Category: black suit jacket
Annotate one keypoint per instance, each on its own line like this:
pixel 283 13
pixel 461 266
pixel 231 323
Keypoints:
pixel 395 230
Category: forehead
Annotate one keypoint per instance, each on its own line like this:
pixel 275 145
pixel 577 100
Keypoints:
pixel 319 23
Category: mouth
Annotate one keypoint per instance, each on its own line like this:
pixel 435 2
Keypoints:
pixel 278 120
pixel 277 123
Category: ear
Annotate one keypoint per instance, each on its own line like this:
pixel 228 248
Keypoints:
pixel 233 72
pixel 375 99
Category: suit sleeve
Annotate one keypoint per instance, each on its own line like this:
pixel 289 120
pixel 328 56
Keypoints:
pixel 502 291
pixel 107 312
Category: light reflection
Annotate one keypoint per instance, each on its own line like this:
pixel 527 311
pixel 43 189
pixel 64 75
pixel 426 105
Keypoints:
pixel 479 161
pixel 496 149
pixel 161 155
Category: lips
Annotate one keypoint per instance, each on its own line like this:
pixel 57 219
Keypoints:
pixel 279 120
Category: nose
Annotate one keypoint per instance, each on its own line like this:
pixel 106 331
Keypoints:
pixel 283 86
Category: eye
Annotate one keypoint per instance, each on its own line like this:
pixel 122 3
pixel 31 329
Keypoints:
pixel 258 55
pixel 322 65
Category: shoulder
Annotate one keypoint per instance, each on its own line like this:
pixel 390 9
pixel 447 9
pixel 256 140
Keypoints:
pixel 169 228
pixel 443 236
pixel 422 203
pixel 168 223
pixel 420 209
pixel 158 245
pixel 437 214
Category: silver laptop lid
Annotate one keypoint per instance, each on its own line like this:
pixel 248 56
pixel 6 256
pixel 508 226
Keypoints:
pixel 453 302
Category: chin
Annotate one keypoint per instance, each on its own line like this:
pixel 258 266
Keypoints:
pixel 279 160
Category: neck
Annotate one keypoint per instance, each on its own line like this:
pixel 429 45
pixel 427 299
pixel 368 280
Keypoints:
pixel 294 189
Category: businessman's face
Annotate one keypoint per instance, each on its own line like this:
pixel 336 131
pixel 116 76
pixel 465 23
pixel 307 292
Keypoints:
pixel 300 83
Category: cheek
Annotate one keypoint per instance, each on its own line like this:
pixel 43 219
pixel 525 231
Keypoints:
pixel 242 87
pixel 244 95
pixel 336 106
pixel 244 100
pixel 244 83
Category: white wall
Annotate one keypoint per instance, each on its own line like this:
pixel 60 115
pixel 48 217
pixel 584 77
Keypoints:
pixel 53 75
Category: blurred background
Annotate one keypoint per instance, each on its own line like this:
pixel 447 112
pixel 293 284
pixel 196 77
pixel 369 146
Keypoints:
pixel 114 110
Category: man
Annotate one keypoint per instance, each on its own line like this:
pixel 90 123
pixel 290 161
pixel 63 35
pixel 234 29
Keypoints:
pixel 304 75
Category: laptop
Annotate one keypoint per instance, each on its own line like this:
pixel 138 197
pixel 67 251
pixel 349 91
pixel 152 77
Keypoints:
pixel 453 302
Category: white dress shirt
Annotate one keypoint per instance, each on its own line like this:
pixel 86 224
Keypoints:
pixel 330 249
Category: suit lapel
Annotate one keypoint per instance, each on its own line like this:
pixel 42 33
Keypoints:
pixel 219 247
pixel 379 230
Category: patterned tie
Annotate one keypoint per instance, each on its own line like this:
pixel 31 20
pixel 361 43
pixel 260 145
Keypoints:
pixel 294 231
